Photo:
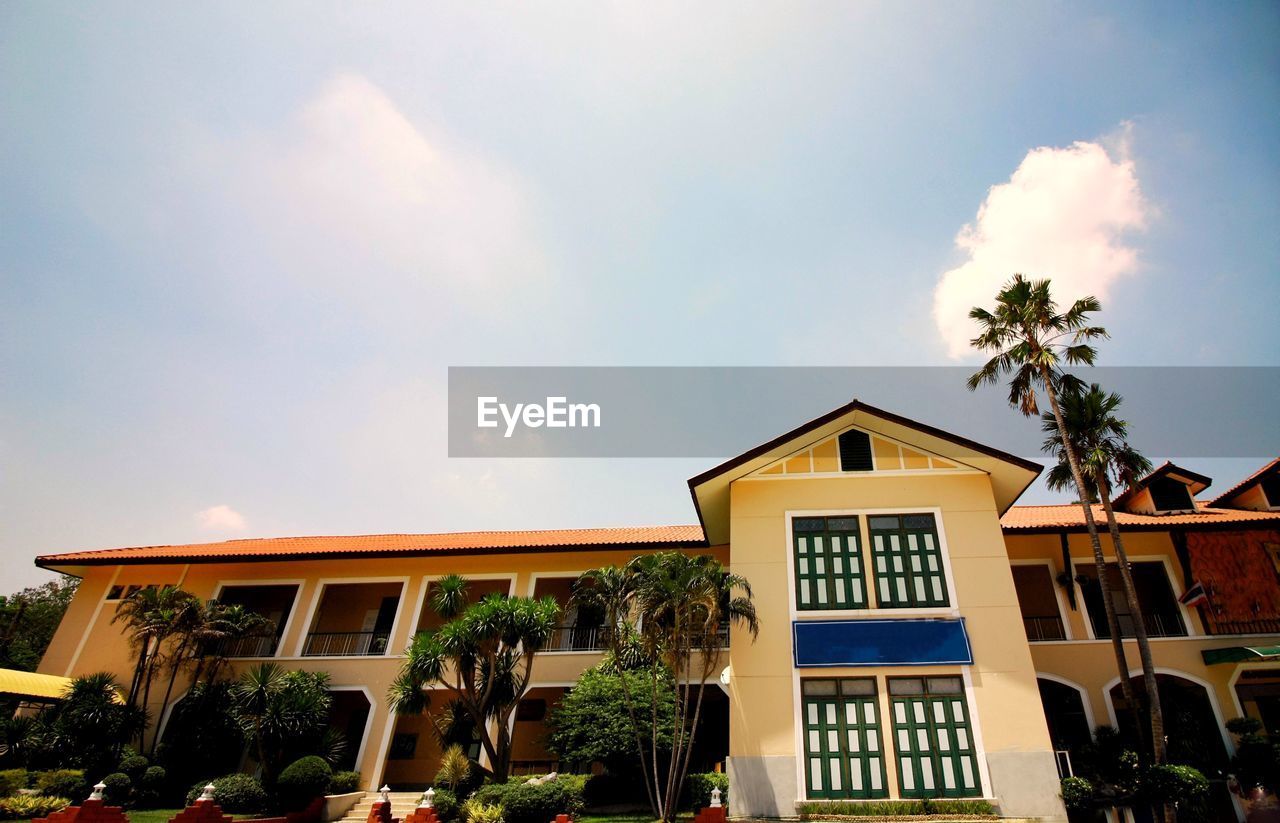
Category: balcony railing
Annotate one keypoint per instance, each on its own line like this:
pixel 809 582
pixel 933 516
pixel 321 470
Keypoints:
pixel 254 646
pixel 1244 626
pixel 1168 624
pixel 1044 628
pixel 578 638
pixel 583 638
pixel 345 644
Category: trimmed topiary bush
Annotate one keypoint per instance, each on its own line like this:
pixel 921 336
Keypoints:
pixel 540 802
pixel 235 793
pixel 133 765
pixel 697 789
pixel 151 788
pixel 27 806
pixel 344 782
pixel 12 780
pixel 302 781
pixel 1077 793
pixel 1172 784
pixel 118 789
pixel 63 783
pixel 447 807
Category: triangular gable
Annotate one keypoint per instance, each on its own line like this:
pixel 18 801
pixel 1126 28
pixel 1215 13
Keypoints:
pixel 888 455
pixel 1010 475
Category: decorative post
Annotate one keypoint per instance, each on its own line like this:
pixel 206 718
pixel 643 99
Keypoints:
pixel 98 789
pixel 385 793
pixel 428 799
pixel 207 795
pixel 715 798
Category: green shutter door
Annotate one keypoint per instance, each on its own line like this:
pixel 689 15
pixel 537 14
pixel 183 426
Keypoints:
pixel 828 564
pixel 908 561
pixel 935 747
pixel 842 745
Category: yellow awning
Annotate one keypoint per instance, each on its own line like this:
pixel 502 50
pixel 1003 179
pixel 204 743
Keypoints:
pixel 32 684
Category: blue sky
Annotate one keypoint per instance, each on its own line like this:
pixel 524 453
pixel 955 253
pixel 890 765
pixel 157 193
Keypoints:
pixel 240 245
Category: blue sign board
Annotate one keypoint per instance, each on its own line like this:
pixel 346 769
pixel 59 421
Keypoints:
pixel 880 642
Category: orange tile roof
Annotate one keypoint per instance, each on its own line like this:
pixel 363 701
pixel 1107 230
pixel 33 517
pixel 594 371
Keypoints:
pixel 296 548
pixel 1253 479
pixel 1069 516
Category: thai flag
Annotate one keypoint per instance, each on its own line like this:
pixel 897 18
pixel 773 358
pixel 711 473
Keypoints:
pixel 1194 596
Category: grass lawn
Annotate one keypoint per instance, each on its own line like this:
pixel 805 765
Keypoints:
pixel 161 815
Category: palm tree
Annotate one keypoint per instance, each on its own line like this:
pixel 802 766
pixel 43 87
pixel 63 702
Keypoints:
pixel 1098 437
pixel 1031 340
pixel 151 616
pixel 199 634
pixel 280 711
pixel 673 606
pixel 483 658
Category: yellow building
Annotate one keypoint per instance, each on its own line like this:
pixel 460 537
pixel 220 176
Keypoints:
pixel 920 636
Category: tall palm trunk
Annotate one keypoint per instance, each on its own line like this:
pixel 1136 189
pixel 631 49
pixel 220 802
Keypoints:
pixel 1113 624
pixel 1158 747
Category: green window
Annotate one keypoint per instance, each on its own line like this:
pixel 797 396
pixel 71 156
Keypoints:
pixel 828 555
pixel 908 561
pixel 842 744
pixel 933 740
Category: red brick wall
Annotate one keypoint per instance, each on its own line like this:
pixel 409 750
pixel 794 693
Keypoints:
pixel 1239 573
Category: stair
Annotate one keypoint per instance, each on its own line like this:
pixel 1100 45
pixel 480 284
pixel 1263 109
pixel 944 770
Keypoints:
pixel 402 803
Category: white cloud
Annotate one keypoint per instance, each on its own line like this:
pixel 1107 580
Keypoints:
pixel 1064 215
pixel 356 194
pixel 221 518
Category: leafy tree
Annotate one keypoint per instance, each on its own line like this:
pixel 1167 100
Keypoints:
pixel 198 636
pixel 1031 341
pixel 482 658
pixel 86 729
pixel 592 723
pixel 284 714
pixel 28 620
pixel 203 736
pixel 684 602
pixel 1099 438
pixel 151 616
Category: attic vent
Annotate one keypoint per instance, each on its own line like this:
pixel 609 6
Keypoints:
pixel 1168 495
pixel 855 452
pixel 1271 488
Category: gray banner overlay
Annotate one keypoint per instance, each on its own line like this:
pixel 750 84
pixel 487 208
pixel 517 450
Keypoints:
pixel 588 411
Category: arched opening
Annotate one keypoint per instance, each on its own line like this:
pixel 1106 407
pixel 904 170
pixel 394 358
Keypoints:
pixel 1191 726
pixel 349 716
pixel 1065 713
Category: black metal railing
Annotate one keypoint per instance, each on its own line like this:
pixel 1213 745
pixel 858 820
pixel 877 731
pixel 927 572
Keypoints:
pixel 345 644
pixel 1158 624
pixel 258 645
pixel 1044 628
pixel 1216 626
pixel 586 638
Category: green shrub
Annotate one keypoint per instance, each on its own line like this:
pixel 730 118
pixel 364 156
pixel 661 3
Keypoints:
pixel 697 789
pixel 118 788
pixel 475 811
pixel 27 806
pixel 1244 725
pixel 11 780
pixel 235 793
pixel 302 781
pixel 63 783
pixel 1077 793
pixel 151 788
pixel 540 802
pixel 897 808
pixel 133 765
pixel 344 782
pixel 446 804
pixel 972 808
pixel 493 794
pixel 1172 784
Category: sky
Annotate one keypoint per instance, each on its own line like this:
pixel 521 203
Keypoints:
pixel 240 244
